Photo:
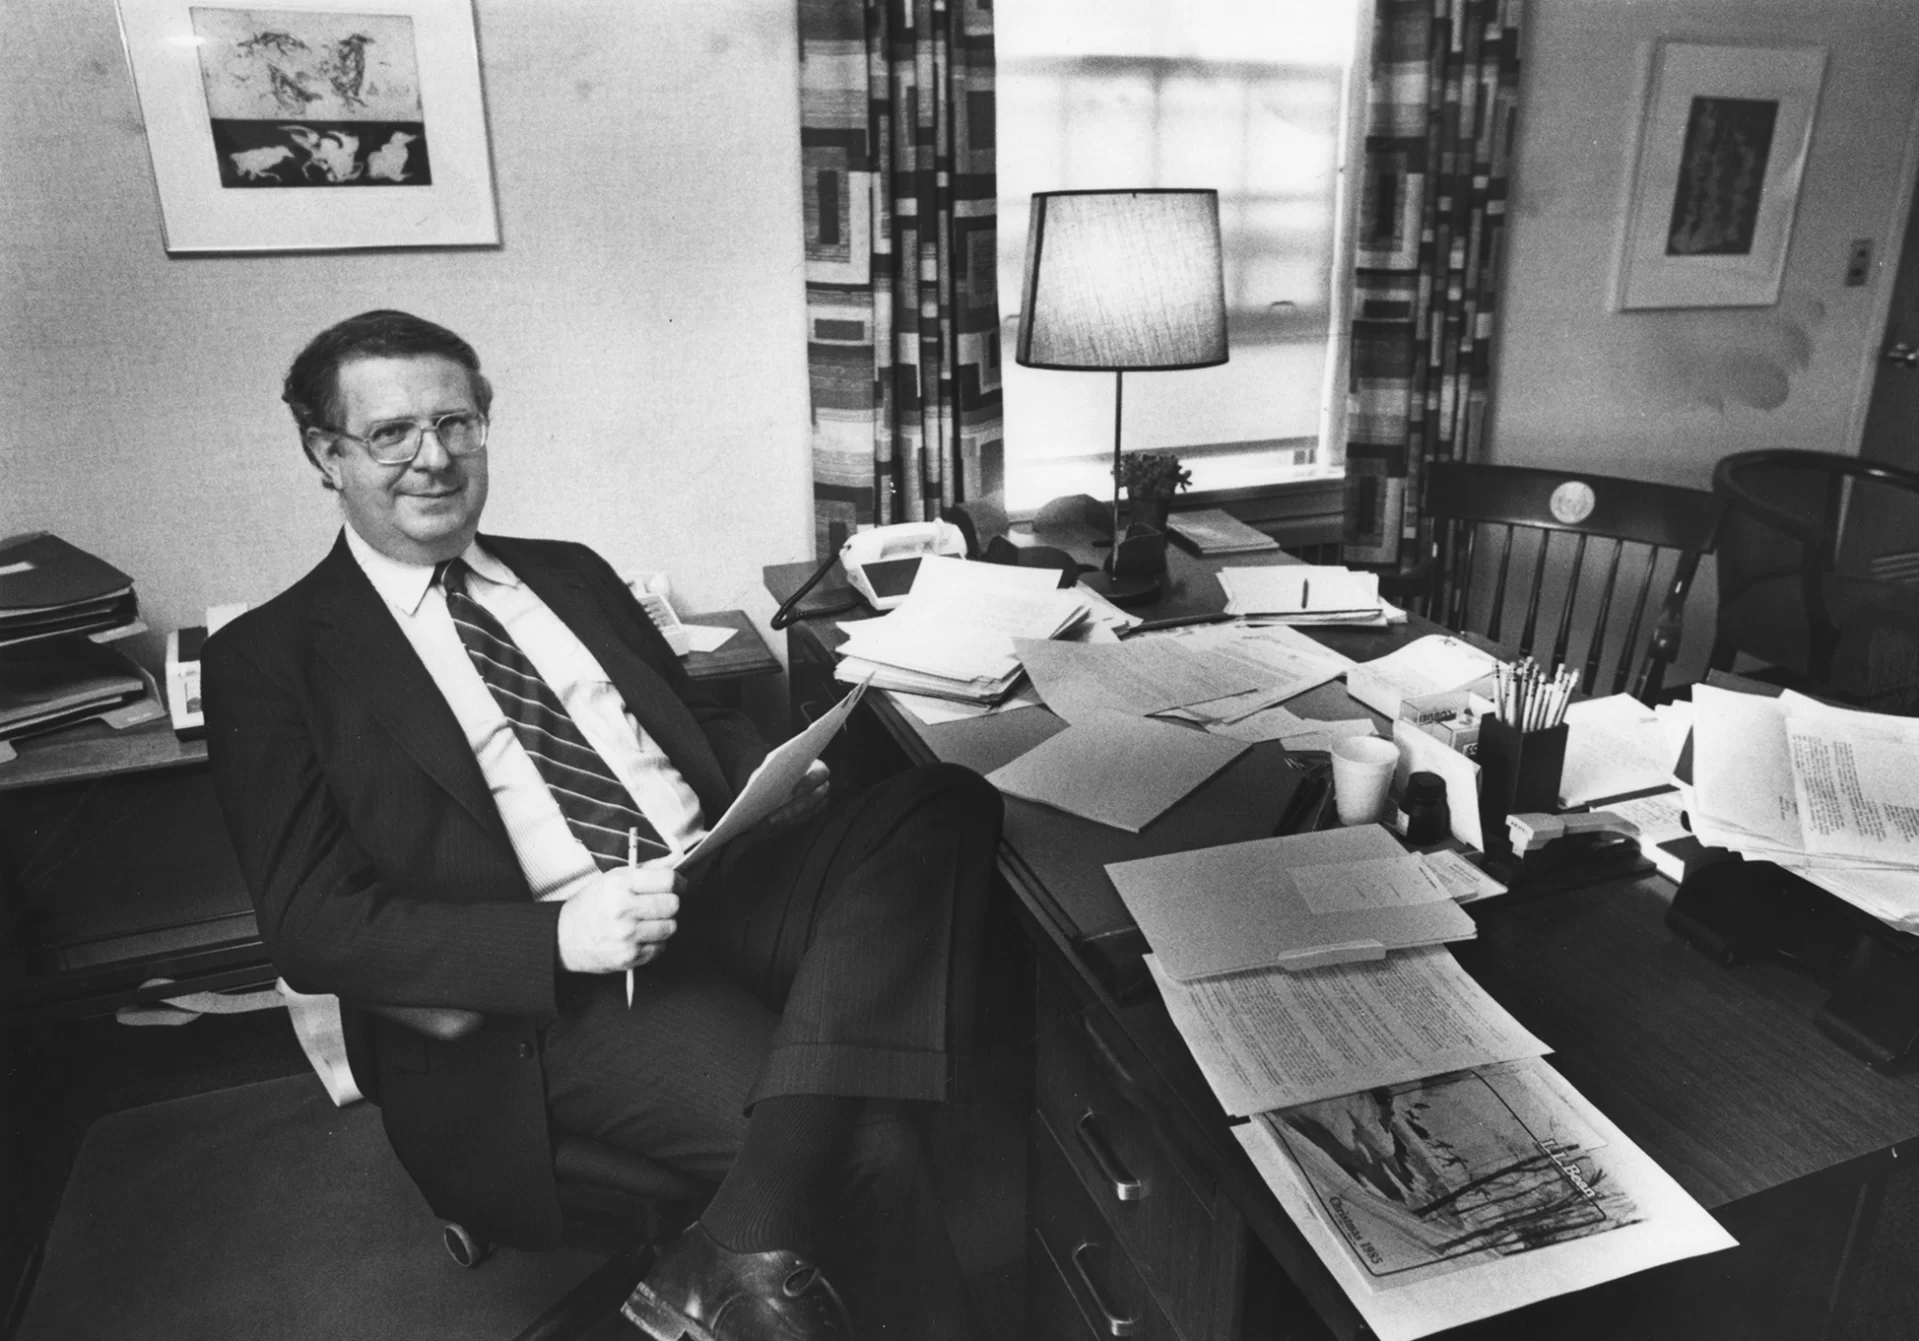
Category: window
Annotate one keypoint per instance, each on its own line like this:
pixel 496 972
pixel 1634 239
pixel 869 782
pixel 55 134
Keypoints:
pixel 1246 97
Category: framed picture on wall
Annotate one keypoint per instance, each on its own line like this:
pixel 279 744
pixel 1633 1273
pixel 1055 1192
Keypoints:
pixel 1721 149
pixel 313 125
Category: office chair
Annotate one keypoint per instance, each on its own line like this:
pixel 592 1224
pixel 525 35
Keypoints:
pixel 1819 574
pixel 1503 512
pixel 614 1202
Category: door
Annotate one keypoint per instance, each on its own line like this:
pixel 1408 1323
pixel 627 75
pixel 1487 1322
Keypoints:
pixel 1892 415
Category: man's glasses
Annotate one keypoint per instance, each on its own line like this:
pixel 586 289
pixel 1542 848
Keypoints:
pixel 397 441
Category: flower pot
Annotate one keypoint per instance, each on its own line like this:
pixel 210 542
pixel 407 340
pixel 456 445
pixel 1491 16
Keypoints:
pixel 1151 509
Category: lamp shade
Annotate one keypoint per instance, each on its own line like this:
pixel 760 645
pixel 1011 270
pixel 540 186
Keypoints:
pixel 1120 281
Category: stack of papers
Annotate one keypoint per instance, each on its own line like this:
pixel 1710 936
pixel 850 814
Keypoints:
pixel 1217 531
pixel 1304 593
pixel 49 589
pixel 1828 793
pixel 1434 664
pixel 1614 746
pixel 1303 901
pixel 953 636
pixel 1440 1170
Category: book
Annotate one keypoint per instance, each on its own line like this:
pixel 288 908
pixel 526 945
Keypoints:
pixel 1217 531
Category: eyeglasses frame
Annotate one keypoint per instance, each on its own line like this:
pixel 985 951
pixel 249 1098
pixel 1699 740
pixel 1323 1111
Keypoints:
pixel 420 427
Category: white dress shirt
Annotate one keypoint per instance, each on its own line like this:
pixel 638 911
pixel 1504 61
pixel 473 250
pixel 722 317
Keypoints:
pixel 555 862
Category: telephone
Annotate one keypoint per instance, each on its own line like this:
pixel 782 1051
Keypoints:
pixel 183 670
pixel 881 561
pixel 654 593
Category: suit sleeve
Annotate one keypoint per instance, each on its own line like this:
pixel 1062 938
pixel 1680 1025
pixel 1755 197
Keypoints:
pixel 734 739
pixel 330 920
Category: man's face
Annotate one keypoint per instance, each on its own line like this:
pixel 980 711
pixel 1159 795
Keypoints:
pixel 427 510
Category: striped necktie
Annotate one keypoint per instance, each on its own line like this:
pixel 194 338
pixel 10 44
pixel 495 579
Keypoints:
pixel 597 806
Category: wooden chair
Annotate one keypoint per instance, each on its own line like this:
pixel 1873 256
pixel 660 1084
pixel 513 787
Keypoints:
pixel 1487 517
pixel 1819 573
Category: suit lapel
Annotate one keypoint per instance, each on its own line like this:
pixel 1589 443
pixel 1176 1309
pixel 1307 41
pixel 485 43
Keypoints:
pixel 357 636
pixel 649 698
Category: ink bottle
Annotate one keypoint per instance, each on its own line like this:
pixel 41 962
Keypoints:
pixel 1428 819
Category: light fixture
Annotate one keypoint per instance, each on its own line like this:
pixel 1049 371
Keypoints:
pixel 1119 282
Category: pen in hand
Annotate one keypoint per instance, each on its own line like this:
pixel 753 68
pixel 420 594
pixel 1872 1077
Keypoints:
pixel 632 860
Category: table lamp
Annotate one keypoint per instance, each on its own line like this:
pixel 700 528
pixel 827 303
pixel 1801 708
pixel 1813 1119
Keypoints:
pixel 1119 282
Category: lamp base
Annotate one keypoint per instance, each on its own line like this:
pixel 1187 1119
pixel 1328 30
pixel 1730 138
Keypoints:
pixel 1124 592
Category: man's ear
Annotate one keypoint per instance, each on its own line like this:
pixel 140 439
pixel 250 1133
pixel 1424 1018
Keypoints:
pixel 323 449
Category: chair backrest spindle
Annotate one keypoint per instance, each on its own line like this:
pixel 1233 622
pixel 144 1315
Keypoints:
pixel 1463 499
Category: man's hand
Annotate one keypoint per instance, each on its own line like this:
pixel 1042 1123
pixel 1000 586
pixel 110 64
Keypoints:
pixel 620 919
pixel 808 799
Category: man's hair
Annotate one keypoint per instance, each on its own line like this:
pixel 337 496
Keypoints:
pixel 312 387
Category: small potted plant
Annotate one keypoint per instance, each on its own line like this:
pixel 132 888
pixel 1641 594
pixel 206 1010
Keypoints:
pixel 1150 479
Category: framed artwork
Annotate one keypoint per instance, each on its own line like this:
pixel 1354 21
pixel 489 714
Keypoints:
pixel 313 125
pixel 1722 145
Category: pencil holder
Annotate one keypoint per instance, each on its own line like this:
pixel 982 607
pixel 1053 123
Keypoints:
pixel 1518 772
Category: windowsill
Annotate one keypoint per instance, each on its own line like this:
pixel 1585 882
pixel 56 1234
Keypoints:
pixel 1229 477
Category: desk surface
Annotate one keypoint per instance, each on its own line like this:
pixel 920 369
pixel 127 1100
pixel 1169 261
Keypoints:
pixel 1719 1074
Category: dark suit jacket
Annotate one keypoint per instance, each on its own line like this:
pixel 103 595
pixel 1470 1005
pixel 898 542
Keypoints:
pixel 381 870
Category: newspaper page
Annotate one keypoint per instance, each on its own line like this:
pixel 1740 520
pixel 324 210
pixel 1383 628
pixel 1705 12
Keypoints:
pixel 1278 1039
pixel 1442 1201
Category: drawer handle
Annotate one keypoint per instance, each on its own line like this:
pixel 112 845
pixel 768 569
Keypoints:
pixel 1125 1186
pixel 1113 1323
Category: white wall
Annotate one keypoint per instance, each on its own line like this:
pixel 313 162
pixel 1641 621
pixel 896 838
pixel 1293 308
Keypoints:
pixel 1665 394
pixel 642 323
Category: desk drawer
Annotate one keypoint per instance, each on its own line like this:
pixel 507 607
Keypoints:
pixel 1185 1238
pixel 1081 1287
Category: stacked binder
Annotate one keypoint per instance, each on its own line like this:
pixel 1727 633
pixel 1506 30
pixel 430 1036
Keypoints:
pixel 59 606
pixel 49 588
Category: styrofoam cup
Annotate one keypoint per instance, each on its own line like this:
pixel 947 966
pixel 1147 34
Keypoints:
pixel 1362 772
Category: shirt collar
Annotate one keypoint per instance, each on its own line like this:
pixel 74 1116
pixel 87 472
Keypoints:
pixel 404 585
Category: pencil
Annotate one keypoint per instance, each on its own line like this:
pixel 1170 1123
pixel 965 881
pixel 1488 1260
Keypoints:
pixel 632 860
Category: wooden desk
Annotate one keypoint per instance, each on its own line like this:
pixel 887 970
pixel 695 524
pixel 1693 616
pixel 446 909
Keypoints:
pixel 1719 1074
pixel 740 658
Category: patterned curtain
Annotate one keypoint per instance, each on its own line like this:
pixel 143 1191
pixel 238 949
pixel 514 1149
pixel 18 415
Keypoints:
pixel 896 144
pixel 1432 214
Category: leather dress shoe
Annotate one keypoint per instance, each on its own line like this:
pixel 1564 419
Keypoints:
pixel 701 1291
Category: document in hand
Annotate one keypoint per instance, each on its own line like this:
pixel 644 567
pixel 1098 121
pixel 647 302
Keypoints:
pixel 1276 1039
pixel 771 784
pixel 1434 664
pixel 1115 769
pixel 1299 902
pixel 1442 1201
pixel 1304 593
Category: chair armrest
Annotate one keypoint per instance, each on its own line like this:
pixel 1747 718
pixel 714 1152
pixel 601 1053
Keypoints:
pixel 1422 579
pixel 448 1024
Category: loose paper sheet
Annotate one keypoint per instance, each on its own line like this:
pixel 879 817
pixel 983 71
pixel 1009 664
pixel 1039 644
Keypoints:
pixel 707 637
pixel 1238 907
pixel 1463 880
pixel 1422 753
pixel 1137 677
pixel 1114 769
pixel 1614 746
pixel 771 784
pixel 1659 819
pixel 1443 1201
pixel 1276 1039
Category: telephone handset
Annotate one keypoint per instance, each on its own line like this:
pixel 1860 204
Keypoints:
pixel 881 562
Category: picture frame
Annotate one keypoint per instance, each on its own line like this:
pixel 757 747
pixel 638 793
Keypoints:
pixel 1715 179
pixel 313 125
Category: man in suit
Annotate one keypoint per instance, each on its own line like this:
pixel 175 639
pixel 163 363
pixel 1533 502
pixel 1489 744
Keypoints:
pixel 440 753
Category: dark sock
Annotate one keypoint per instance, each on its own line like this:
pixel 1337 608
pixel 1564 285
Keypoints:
pixel 773 1197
